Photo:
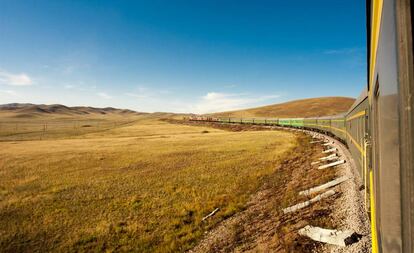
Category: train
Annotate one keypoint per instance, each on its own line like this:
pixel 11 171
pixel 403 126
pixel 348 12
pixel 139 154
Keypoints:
pixel 378 129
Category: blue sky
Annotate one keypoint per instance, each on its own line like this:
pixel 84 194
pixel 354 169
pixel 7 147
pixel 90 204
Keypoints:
pixel 180 56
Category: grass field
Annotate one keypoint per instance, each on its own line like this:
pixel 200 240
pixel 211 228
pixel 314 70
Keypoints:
pixel 53 127
pixel 142 186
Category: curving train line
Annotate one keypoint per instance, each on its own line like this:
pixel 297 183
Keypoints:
pixel 379 127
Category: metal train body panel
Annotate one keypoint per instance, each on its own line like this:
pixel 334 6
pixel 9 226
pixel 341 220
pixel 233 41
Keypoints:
pixel 309 122
pixel 271 121
pixel 356 133
pixel 248 121
pixel 390 92
pixel 324 124
pixel 338 127
pixel 385 167
pixel 260 121
pixel 224 120
pixel 284 122
pixel 297 122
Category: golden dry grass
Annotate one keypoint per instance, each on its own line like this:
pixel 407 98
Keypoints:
pixel 57 125
pixel 144 186
pixel 313 107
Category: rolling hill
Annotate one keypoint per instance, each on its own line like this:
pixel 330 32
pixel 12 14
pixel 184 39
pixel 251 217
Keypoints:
pixel 312 107
pixel 32 110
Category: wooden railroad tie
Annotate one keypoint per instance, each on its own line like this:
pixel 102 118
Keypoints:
pixel 308 202
pixel 329 150
pixel 328 157
pixel 323 186
pixel 331 164
pixel 330 236
pixel 319 141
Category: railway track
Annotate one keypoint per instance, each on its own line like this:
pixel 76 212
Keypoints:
pixel 350 207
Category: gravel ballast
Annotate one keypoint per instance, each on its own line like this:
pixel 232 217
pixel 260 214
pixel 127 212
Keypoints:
pixel 349 210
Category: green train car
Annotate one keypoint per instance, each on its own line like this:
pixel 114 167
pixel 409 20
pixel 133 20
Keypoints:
pixel 284 122
pixel 271 121
pixel 297 122
pixel 338 127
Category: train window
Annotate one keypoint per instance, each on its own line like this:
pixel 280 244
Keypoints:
pixel 357 128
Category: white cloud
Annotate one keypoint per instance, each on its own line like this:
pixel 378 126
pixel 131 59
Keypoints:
pixel 219 102
pixel 69 86
pixel 104 95
pixel 144 92
pixel 21 79
pixel 73 67
pixel 164 91
pixel 9 92
pixel 134 95
pixel 141 89
pixel 341 51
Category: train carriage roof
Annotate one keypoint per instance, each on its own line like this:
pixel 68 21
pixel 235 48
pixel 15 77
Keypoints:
pixel 359 100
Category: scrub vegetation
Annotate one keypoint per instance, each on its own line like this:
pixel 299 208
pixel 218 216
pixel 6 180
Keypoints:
pixel 144 185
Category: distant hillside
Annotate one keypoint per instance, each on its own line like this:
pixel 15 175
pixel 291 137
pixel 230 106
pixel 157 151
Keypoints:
pixel 312 107
pixel 33 110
